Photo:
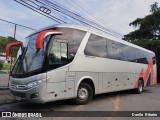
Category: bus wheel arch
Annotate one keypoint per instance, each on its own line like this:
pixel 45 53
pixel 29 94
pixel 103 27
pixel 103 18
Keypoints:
pixel 90 82
pixel 84 91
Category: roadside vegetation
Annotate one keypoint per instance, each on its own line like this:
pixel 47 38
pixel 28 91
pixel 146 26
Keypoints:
pixel 6 40
pixel 6 66
pixel 3 43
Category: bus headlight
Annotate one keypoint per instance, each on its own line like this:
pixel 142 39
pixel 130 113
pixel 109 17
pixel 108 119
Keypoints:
pixel 34 84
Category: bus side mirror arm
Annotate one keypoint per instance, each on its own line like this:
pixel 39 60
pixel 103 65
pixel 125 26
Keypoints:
pixel 8 47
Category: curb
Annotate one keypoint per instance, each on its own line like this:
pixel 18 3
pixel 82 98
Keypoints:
pixel 4 87
pixel 4 71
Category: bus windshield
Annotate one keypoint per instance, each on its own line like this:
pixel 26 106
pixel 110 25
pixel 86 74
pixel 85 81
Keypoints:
pixel 31 59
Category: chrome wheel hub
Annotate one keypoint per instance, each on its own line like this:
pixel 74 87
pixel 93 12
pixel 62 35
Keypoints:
pixel 83 93
pixel 140 87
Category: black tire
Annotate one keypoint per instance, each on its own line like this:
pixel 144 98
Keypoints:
pixel 86 89
pixel 139 90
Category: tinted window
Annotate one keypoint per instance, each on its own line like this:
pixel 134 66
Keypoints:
pixel 58 53
pixel 64 47
pixel 154 59
pixel 128 53
pixel 140 56
pixel 114 50
pixel 100 47
pixel 96 46
pixel 147 57
pixel 74 38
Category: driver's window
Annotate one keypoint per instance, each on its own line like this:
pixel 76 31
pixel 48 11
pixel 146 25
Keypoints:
pixel 58 54
pixel 64 53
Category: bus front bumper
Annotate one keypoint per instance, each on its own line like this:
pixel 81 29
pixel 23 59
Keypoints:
pixel 35 94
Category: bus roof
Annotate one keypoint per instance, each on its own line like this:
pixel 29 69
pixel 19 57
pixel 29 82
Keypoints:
pixel 94 31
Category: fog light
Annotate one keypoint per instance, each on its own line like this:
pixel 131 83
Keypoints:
pixel 35 95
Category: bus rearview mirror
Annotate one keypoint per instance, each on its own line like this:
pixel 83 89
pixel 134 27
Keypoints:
pixel 8 47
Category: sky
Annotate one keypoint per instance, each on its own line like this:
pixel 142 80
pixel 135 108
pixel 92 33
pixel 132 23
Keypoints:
pixel 115 14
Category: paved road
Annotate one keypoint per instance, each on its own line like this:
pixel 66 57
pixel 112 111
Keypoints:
pixel 4 76
pixel 149 100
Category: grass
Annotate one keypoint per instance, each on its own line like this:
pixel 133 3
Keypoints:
pixel 6 66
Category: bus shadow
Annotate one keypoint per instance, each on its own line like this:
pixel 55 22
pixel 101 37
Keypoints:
pixel 118 93
pixel 60 105
pixel 50 106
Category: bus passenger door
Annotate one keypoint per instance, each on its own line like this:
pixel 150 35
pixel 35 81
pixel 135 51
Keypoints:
pixel 56 71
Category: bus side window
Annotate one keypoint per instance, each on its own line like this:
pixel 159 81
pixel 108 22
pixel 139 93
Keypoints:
pixel 74 38
pixel 154 60
pixel 140 56
pixel 96 46
pixel 114 50
pixel 128 53
pixel 146 56
pixel 58 55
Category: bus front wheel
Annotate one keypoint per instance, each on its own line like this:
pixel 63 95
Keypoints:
pixel 84 94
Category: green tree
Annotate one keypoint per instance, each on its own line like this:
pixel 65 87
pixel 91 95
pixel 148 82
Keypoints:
pixel 154 7
pixel 148 27
pixel 3 43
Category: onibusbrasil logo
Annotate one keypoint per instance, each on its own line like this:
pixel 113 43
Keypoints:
pixel 24 114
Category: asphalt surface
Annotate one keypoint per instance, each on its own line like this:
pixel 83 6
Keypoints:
pixel 4 76
pixel 149 100
pixel 6 96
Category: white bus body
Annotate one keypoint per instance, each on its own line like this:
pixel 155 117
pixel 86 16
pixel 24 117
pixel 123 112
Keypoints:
pixel 101 64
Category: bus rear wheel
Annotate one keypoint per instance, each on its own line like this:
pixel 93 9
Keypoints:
pixel 139 90
pixel 84 94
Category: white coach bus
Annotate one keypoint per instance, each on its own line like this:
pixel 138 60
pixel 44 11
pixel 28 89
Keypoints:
pixel 71 61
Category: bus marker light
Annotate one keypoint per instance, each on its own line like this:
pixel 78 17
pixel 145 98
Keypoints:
pixel 69 88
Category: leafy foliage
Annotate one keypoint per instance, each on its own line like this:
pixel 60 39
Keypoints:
pixel 6 66
pixel 154 7
pixel 149 26
pixel 3 43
